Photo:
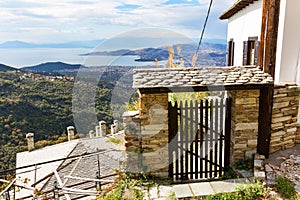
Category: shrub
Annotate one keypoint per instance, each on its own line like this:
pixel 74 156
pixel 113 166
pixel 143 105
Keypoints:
pixel 285 187
pixel 251 191
pixel 244 192
pixel 223 196
pixel 244 164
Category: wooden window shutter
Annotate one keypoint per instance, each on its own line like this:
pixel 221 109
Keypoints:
pixel 257 44
pixel 230 53
pixel 245 53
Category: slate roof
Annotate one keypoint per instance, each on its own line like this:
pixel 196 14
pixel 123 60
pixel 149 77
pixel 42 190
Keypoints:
pixel 109 155
pixel 189 77
pixel 239 5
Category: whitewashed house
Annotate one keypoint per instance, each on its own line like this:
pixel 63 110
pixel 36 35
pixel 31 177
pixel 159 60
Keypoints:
pixel 244 32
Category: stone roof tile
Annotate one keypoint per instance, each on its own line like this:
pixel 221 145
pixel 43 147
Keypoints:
pixel 186 77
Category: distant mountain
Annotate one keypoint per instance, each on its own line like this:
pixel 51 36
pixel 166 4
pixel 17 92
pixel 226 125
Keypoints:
pixel 26 45
pixel 210 54
pixel 53 67
pixel 214 41
pixel 146 54
pixel 6 68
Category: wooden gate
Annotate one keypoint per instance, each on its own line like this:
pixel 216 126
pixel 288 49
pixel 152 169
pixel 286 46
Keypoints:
pixel 199 139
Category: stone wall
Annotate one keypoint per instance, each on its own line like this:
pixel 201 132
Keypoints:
pixel 244 123
pixel 147 134
pixel 297 138
pixel 147 139
pixel 284 117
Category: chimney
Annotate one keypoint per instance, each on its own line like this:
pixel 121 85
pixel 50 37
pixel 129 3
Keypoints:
pixel 71 134
pixel 92 133
pixel 97 131
pixel 30 141
pixel 116 123
pixel 112 129
pixel 102 128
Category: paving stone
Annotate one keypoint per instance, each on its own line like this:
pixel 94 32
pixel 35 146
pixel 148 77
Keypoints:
pixel 224 186
pixel 258 163
pixel 259 174
pixel 165 191
pixel 182 191
pixel 201 189
pixel 152 193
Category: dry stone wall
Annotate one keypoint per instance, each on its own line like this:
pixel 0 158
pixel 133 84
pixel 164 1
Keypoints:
pixel 284 117
pixel 147 139
pixel 244 123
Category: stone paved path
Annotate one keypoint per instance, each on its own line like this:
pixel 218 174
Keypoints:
pixel 181 191
pixel 285 163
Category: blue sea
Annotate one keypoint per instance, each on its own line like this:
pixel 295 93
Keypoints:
pixel 19 58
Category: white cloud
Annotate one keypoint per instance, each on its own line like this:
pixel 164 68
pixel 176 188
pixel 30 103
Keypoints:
pixel 62 18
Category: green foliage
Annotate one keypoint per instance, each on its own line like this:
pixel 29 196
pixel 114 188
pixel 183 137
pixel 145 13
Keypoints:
pixel 246 164
pixel 186 96
pixel 285 187
pixel 224 196
pixel 129 186
pixel 126 189
pixel 132 106
pixel 114 140
pixel 251 191
pixel 296 197
pixel 229 174
pixel 244 192
pixel 43 106
pixel 171 196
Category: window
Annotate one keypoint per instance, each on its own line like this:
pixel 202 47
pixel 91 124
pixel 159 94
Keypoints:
pixel 251 51
pixel 230 53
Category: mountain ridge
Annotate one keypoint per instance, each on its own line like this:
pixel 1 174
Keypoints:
pixel 6 68
pixel 52 67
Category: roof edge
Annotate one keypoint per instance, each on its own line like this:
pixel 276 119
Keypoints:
pixel 235 8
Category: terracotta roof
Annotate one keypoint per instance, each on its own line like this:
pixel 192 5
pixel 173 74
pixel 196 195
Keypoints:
pixel 189 77
pixel 239 5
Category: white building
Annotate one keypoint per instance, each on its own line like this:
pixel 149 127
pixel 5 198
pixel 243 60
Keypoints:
pixel 244 29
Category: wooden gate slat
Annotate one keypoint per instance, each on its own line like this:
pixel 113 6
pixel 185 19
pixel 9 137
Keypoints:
pixel 206 138
pixel 221 137
pixel 216 137
pixel 186 136
pixel 171 129
pixel 181 139
pixel 190 140
pixel 211 139
pixel 196 139
pixel 177 117
pixel 227 132
pixel 201 139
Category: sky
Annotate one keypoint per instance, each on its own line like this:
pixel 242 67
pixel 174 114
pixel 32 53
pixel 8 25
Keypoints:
pixel 53 21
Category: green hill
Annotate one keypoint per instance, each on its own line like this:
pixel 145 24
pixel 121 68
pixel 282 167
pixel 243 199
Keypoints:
pixel 6 68
pixel 52 67
pixel 44 107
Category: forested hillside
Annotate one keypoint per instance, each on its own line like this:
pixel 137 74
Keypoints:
pixel 40 105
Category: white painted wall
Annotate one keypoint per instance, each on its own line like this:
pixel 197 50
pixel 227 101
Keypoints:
pixel 246 23
pixel 288 46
